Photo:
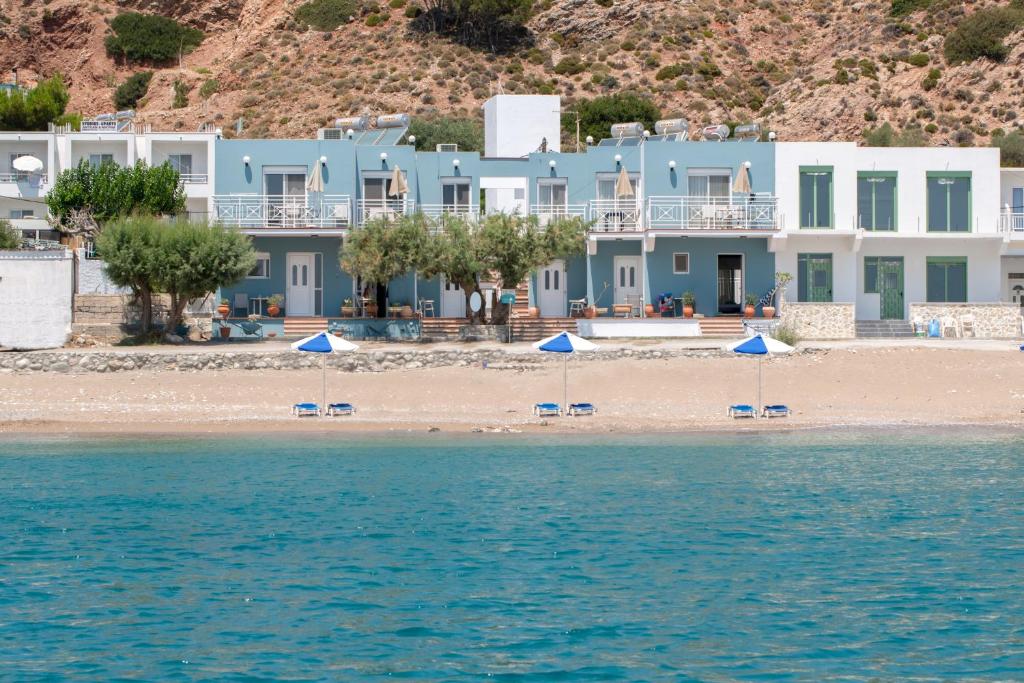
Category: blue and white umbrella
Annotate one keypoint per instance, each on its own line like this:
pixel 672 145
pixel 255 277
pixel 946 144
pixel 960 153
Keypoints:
pixel 324 343
pixel 565 343
pixel 759 345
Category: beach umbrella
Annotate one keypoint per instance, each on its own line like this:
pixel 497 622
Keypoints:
pixel 564 343
pixel 742 183
pixel 398 185
pixel 759 345
pixel 315 183
pixel 323 343
pixel 623 188
pixel 27 164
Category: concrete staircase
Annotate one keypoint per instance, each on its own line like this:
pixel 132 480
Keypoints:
pixel 441 329
pixel 884 329
pixel 722 327
pixel 523 329
pixel 295 326
pixel 534 329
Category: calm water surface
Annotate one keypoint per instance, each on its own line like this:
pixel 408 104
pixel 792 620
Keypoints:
pixel 892 555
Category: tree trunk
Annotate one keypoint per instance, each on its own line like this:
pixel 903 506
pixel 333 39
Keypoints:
pixel 145 298
pixel 176 314
pixel 382 301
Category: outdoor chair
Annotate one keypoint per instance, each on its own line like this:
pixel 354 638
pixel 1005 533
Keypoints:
pixel 335 409
pixel 306 410
pixel 635 309
pixel 576 409
pixel 576 307
pixel 950 324
pixel 547 410
pixel 427 308
pixel 967 325
pixel 742 410
pixel 777 410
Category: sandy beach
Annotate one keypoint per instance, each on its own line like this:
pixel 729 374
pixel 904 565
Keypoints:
pixel 847 384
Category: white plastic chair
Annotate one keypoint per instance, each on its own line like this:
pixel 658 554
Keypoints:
pixel 949 323
pixel 967 325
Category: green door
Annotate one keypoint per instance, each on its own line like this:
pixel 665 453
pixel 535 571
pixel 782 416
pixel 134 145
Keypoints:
pixel 890 288
pixel 819 278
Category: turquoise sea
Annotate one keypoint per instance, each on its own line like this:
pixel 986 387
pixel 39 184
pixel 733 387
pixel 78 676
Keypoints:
pixel 887 555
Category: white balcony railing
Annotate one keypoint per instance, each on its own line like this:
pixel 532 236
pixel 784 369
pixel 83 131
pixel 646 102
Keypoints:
pixel 283 211
pixel 1011 221
pixel 442 210
pixel 368 209
pixel 546 213
pixel 21 178
pixel 748 212
pixel 195 178
pixel 615 215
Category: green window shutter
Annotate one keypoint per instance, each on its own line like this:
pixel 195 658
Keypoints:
pixel 816 197
pixel 947 279
pixel 949 201
pixel 871 275
pixel 876 200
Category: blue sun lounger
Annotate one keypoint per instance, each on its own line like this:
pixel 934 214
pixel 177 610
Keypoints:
pixel 581 409
pixel 742 410
pixel 777 410
pixel 340 409
pixel 306 410
pixel 547 410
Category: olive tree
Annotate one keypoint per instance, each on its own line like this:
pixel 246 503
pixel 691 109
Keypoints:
pixel 456 252
pixel 128 248
pixel 384 249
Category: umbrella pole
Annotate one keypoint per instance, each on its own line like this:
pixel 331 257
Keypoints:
pixel 565 383
pixel 323 383
pixel 759 405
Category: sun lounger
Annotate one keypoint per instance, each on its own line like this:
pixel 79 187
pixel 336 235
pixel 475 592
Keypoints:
pixel 581 409
pixel 340 409
pixel 547 410
pixel 776 411
pixel 306 410
pixel 742 410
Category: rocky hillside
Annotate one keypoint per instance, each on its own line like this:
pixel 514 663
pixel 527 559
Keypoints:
pixel 809 69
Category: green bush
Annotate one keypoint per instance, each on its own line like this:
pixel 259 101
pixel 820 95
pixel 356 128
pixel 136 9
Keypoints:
pixel 918 59
pixel 208 88
pixel 150 38
pixel 980 35
pixel 132 90
pixel 468 134
pixel 903 7
pixel 786 335
pixel 1011 149
pixel 397 4
pixel 412 11
pixel 180 94
pixel 597 115
pixel 669 72
pixel 376 19
pixel 34 109
pixel 570 66
pixel 882 136
pixel 10 237
pixel 325 15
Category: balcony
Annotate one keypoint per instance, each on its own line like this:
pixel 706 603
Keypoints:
pixel 546 213
pixel 368 209
pixel 756 212
pixel 1011 222
pixel 195 178
pixel 615 215
pixel 283 211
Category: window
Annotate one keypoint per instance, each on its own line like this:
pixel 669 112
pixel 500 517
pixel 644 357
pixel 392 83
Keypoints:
pixel 814 278
pixel 606 186
pixel 816 197
pixel 1017 200
pixel 704 182
pixel 97 160
pixel 285 184
pixel 455 193
pixel 22 213
pixel 262 268
pixel 876 201
pixel 552 192
pixel 947 279
pixel 182 163
pixel 873 268
pixel 949 202
pixel 20 175
pixel 681 263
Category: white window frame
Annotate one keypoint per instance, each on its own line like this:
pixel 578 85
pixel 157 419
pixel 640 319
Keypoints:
pixel 21 214
pixel 175 161
pixel 101 159
pixel 261 256
pixel 680 272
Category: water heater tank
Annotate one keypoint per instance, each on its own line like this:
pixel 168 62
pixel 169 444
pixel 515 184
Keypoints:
pixel 393 121
pixel 627 130
pixel 716 133
pixel 352 122
pixel 672 127
pixel 748 131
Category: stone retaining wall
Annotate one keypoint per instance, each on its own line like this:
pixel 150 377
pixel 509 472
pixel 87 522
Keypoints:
pixel 109 318
pixel 820 320
pixel 991 321
pixel 374 361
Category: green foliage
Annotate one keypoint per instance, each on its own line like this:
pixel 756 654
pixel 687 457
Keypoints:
pixel 598 114
pixel 150 38
pixel 325 15
pixel 128 249
pixel 570 66
pixel 882 136
pixel 456 252
pixel 383 250
pixel 786 335
pixel 918 59
pixel 902 8
pixel 208 88
pixel 180 94
pixel 468 134
pixel 33 110
pixel 980 35
pixel 10 237
pixel 111 191
pixel 1011 149
pixel 885 136
pixel 496 25
pixel 669 72
pixel 376 19
pixel 132 90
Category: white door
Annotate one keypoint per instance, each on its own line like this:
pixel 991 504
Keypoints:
pixel 627 280
pixel 551 283
pixel 300 288
pixel 453 300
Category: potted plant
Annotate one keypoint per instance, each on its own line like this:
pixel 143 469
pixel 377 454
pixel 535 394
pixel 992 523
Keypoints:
pixel 751 307
pixel 274 305
pixel 225 331
pixel 649 310
pixel 590 312
pixel 689 301
pixel 406 311
pixel 224 310
pixel 371 309
pixel 348 309
pixel 768 311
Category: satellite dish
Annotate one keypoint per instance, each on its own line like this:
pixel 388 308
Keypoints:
pixel 476 302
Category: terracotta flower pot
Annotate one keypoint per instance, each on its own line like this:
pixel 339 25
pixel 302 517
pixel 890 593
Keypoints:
pixel 223 310
pixel 768 311
pixel 533 312
pixel 589 312
pixel 406 311
pixel 748 312
pixel 687 311
pixel 225 332
pixel 273 311
pixel 649 310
